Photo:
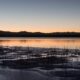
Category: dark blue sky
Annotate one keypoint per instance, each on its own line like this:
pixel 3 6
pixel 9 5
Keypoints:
pixel 40 15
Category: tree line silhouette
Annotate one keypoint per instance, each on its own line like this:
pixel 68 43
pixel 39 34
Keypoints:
pixel 38 34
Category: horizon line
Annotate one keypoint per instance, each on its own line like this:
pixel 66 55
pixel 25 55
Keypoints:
pixel 42 32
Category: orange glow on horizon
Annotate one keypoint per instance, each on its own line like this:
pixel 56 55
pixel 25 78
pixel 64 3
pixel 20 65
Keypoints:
pixel 41 30
pixel 45 29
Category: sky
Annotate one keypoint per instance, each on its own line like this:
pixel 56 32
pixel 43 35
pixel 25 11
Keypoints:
pixel 40 15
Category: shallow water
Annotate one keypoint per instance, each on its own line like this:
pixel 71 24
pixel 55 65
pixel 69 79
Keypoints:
pixel 41 42
pixel 40 74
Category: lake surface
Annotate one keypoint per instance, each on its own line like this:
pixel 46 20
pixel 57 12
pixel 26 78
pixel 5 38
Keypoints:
pixel 41 42
pixel 39 73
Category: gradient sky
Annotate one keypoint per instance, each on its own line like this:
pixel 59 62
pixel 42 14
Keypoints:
pixel 40 15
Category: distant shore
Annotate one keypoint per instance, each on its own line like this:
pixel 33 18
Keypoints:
pixel 39 34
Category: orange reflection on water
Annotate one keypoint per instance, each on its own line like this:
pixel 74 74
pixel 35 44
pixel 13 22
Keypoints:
pixel 41 42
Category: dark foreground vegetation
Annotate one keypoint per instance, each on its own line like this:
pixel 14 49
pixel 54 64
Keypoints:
pixel 38 34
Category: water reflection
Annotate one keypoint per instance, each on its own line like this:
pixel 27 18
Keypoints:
pixel 41 42
pixel 8 74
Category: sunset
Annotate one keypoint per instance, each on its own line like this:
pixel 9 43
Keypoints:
pixel 39 39
pixel 40 15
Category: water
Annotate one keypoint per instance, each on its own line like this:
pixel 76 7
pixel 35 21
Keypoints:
pixel 41 42
pixel 38 73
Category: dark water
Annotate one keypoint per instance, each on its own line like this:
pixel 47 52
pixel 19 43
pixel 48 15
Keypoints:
pixel 37 73
pixel 41 42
